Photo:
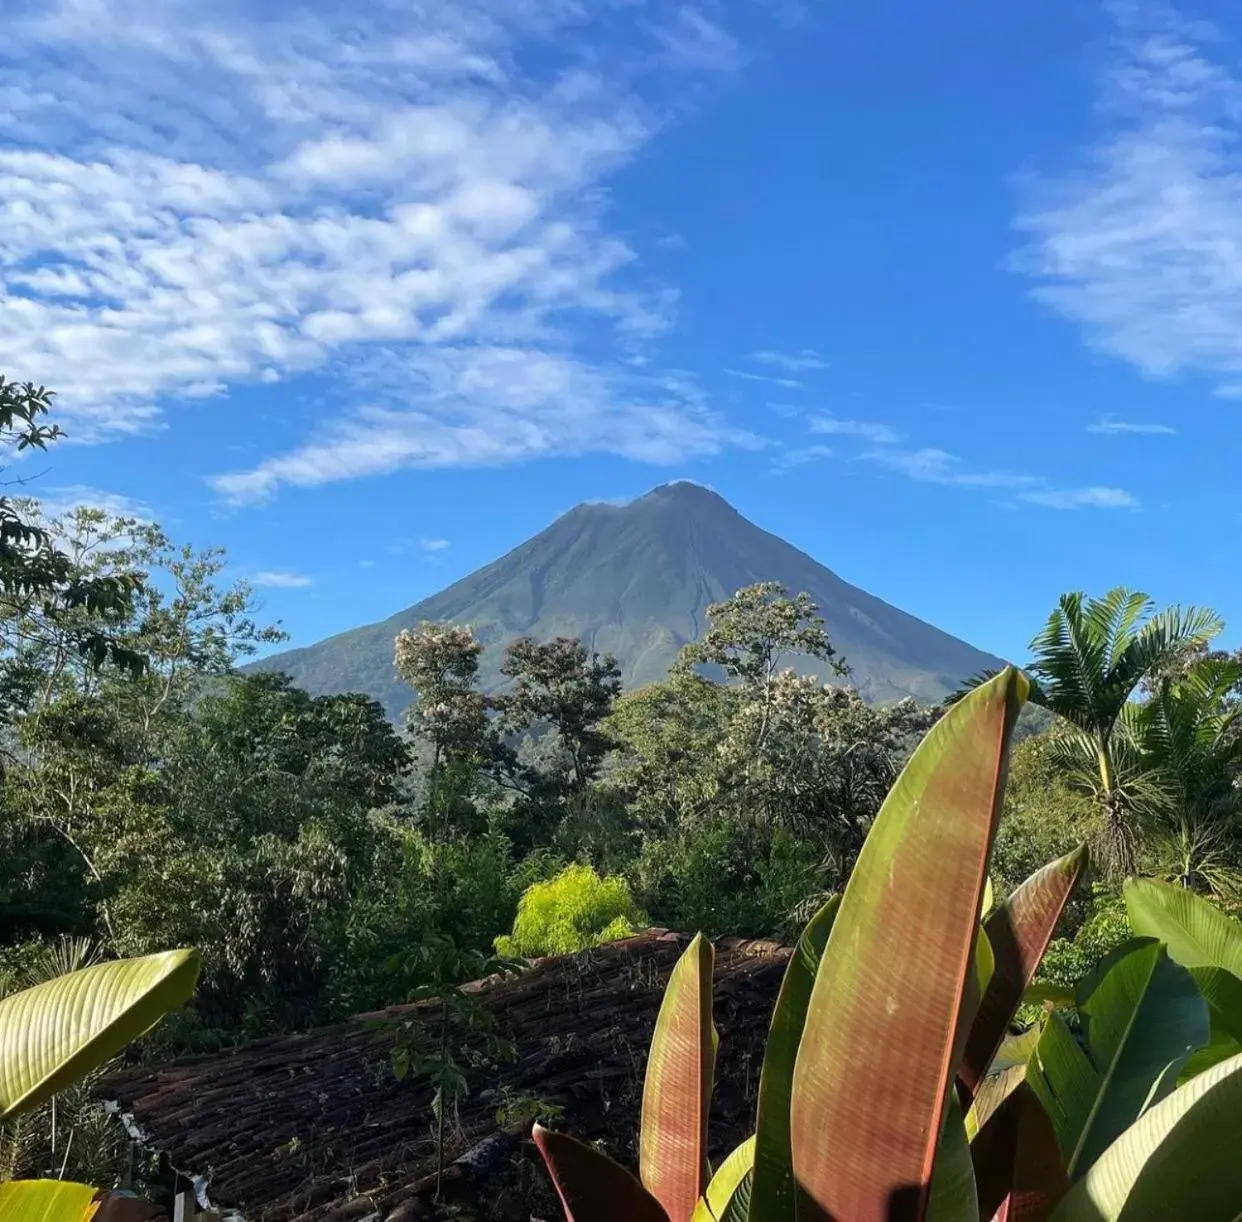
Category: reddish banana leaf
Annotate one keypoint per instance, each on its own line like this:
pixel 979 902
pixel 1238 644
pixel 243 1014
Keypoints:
pixel 672 1147
pixel 591 1186
pixel 1019 1172
pixel 876 1062
pixel 773 1194
pixel 1019 930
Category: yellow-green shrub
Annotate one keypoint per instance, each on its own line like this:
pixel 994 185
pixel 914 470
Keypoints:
pixel 575 909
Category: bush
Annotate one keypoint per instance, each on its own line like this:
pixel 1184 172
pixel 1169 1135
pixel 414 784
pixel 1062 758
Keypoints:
pixel 570 912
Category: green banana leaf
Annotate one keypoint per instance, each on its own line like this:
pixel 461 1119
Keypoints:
pixel 725 1183
pixel 895 975
pixel 1196 933
pixel 54 1033
pixel 672 1147
pixel 1180 1160
pixel 64 1201
pixel 591 1186
pixel 773 1192
pixel 47 1201
pixel 1019 932
pixel 1142 1016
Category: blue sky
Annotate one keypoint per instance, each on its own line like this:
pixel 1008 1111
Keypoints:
pixel 949 296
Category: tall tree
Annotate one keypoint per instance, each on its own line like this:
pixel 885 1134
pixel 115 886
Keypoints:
pixel 562 686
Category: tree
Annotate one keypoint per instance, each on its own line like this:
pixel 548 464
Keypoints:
pixel 1092 658
pixel 562 686
pixel 1186 734
pixel 36 576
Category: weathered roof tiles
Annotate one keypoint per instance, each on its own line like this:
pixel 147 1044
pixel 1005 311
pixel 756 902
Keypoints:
pixel 316 1126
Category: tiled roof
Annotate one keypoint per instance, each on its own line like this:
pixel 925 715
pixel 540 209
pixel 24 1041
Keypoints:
pixel 315 1126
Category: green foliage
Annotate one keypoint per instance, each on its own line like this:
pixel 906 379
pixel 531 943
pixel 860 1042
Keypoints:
pixel 570 912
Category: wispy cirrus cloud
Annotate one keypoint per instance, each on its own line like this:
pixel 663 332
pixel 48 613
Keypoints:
pixel 281 579
pixel 770 379
pixel 797 362
pixel 1111 425
pixel 196 199
pixel 1143 247
pixel 788 460
pixel 432 545
pixel 935 466
pixel 868 430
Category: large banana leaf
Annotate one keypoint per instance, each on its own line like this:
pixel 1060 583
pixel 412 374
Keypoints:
pixel 672 1152
pixel 1019 932
pixel 1143 1016
pixel 1179 1161
pixel 952 1197
pixel 1006 1072
pixel 64 1201
pixel 730 1188
pixel 1019 1170
pixel 54 1033
pixel 773 1193
pixel 591 1186
pixel 1196 933
pixel 873 1071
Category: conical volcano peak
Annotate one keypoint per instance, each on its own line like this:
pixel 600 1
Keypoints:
pixel 637 580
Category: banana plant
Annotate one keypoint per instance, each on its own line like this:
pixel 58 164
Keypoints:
pixel 57 1031
pixel 892 1020
pixel 63 1201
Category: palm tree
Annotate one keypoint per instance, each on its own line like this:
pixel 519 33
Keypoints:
pixel 1188 735
pixel 1087 664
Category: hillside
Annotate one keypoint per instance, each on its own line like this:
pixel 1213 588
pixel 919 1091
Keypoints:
pixel 636 580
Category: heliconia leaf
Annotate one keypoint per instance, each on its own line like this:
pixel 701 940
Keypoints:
pixel 52 1034
pixel 1179 1160
pixel 952 1197
pixel 1142 1017
pixel 1062 1076
pixel 591 1186
pixel 1006 1072
pixel 1019 931
pixel 1044 993
pixel 1222 991
pixel 672 1150
pixel 65 1201
pixel 1196 933
pixel 729 1175
pixel 893 977
pixel 773 1193
pixel 47 1201
pixel 1019 1171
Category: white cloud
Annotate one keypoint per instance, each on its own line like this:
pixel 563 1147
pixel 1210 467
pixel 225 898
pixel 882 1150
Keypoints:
pixel 53 502
pixel 195 200
pixel 1079 498
pixel 797 362
pixel 279 579
pixel 933 466
pixel 787 460
pixel 1110 424
pixel 788 383
pixel 1143 247
pixel 433 545
pixel 870 430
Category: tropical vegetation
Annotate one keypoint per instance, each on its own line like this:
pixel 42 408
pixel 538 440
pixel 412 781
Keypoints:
pixel 322 861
